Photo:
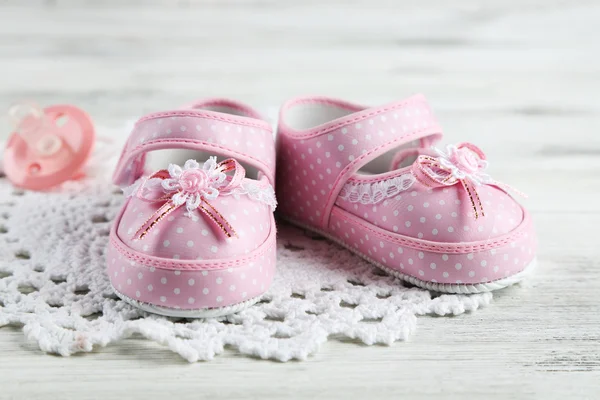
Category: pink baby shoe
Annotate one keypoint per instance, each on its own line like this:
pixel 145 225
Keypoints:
pixel 196 236
pixel 363 178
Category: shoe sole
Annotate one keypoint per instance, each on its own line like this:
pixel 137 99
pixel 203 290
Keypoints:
pixel 433 286
pixel 193 313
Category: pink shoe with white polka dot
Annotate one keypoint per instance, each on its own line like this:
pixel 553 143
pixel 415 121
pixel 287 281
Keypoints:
pixel 364 178
pixel 196 237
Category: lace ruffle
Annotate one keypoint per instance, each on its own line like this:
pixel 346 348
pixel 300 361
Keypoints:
pixel 373 193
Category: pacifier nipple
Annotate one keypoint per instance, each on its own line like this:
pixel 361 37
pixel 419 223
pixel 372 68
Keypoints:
pixel 32 125
pixel 48 146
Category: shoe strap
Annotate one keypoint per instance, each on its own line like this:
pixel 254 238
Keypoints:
pixel 245 137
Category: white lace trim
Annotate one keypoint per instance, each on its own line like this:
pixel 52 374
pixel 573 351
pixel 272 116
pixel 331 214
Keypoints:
pixel 261 192
pixel 373 193
pixel 257 192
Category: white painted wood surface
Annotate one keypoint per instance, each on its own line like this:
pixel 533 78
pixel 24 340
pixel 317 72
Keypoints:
pixel 520 78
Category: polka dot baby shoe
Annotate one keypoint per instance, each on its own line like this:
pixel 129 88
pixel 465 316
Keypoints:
pixel 362 177
pixel 197 237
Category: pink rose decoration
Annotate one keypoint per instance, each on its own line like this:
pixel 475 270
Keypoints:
pixel 465 160
pixel 193 181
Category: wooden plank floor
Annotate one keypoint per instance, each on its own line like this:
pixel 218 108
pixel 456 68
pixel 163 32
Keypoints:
pixel 520 78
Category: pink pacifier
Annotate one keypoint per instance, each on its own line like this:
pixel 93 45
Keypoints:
pixel 48 147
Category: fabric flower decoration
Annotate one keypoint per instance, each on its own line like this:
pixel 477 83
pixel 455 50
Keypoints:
pixel 464 161
pixel 193 183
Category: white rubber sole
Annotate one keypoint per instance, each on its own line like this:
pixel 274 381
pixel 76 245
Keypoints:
pixel 195 313
pixel 433 286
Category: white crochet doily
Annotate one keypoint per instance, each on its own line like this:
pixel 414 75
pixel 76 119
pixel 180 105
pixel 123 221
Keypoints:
pixel 52 283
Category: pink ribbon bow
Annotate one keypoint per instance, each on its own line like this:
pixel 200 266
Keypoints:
pixel 462 164
pixel 192 186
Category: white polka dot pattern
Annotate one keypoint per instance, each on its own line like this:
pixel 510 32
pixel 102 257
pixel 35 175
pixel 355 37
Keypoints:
pixel 199 239
pixel 434 265
pixel 442 215
pixel 148 269
pixel 192 288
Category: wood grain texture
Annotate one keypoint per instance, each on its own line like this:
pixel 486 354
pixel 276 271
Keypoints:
pixel 520 78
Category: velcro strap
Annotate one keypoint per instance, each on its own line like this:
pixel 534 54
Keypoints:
pixel 248 140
